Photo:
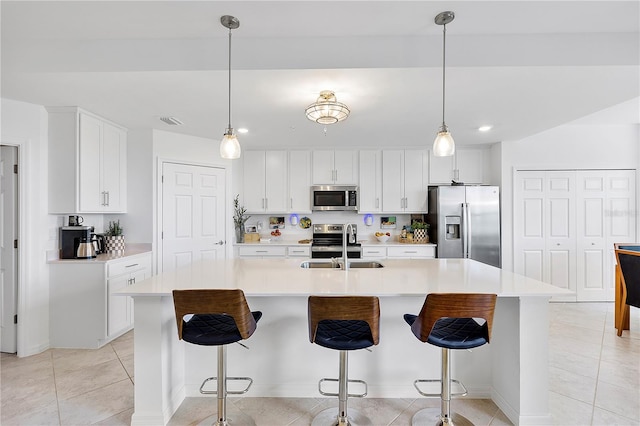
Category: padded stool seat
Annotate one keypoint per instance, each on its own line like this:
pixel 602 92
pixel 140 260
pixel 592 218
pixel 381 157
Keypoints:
pixel 343 323
pixel 450 321
pixel 215 317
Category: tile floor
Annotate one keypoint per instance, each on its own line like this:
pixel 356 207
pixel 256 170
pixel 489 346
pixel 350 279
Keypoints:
pixel 594 380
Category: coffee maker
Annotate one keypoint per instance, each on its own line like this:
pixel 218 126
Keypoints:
pixel 70 239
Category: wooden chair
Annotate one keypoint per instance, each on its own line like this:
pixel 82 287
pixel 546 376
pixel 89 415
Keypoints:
pixel 629 264
pixel 448 320
pixel 343 323
pixel 215 317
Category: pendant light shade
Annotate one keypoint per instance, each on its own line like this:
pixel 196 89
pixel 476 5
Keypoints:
pixel 230 146
pixel 444 146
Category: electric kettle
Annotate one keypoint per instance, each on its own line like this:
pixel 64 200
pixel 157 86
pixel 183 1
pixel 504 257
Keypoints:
pixel 86 250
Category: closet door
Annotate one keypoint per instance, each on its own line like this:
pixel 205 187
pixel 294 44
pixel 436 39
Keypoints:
pixel 606 202
pixel 544 227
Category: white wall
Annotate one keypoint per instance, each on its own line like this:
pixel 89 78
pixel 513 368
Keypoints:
pixel 565 147
pixel 25 125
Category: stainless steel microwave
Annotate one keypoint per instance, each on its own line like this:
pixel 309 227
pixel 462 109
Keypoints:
pixel 334 197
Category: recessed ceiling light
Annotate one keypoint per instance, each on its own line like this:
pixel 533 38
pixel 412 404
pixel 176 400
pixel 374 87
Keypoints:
pixel 243 130
pixel 485 128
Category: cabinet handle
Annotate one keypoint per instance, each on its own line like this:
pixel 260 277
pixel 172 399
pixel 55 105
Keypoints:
pixel 291 203
pixel 104 198
pixel 410 251
pixel 336 179
pixel 108 198
pixel 377 203
pixel 266 204
pixel 261 251
pixel 132 265
pixel 263 203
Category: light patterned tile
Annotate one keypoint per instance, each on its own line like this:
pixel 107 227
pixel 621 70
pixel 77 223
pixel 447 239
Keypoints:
pixel 123 348
pixel 624 401
pixel 567 411
pixel 573 385
pixel 574 362
pixel 127 363
pixel 33 415
pixel 607 418
pixel 77 382
pixel 97 405
pixel 75 359
pixel 275 410
pixel 620 374
pixel 120 419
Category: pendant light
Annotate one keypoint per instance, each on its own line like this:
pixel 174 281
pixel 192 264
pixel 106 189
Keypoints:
pixel 444 146
pixel 229 146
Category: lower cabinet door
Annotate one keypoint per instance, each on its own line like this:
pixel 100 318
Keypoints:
pixel 119 316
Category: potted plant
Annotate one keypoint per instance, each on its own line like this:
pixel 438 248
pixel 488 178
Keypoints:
pixel 239 219
pixel 113 238
pixel 420 231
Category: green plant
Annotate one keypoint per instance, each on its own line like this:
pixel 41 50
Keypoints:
pixel 239 211
pixel 419 225
pixel 114 229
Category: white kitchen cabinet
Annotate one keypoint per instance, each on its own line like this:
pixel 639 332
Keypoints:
pixel 469 163
pixel 335 167
pixel 265 181
pixel 84 311
pixel 300 181
pixel 370 186
pixel 374 252
pixel 87 163
pixel 120 274
pixel 297 251
pixel 262 250
pixel 404 181
pixel 409 251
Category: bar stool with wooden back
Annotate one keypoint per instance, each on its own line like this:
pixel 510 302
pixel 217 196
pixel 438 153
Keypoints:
pixel 450 321
pixel 216 317
pixel 629 264
pixel 343 323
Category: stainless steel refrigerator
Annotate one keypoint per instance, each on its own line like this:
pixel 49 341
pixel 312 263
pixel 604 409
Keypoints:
pixel 465 222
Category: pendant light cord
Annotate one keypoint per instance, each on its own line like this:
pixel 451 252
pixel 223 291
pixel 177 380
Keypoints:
pixel 444 47
pixel 229 127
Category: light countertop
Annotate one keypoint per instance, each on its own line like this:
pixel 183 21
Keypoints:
pixel 285 277
pixel 130 250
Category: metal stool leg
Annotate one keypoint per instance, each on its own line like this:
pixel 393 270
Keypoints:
pixel 443 416
pixel 328 416
pixel 222 386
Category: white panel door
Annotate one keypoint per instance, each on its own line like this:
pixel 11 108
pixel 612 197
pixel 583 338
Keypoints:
pixel 560 238
pixel 529 224
pixel 591 235
pixel 193 214
pixel 8 254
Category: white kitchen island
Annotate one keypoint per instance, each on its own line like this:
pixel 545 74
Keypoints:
pixel 511 370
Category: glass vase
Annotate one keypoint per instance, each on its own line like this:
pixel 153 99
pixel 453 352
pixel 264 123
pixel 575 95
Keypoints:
pixel 239 235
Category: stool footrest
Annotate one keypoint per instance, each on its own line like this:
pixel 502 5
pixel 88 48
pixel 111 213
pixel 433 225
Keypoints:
pixel 352 395
pixel 238 392
pixel 415 384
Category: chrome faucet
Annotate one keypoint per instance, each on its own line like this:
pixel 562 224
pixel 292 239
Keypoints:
pixel 347 231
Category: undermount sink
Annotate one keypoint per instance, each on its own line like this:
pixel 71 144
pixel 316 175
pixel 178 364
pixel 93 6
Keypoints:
pixel 338 265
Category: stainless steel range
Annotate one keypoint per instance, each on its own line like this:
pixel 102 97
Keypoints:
pixel 328 240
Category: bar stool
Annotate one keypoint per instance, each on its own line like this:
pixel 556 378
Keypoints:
pixel 215 317
pixel 450 321
pixel 343 323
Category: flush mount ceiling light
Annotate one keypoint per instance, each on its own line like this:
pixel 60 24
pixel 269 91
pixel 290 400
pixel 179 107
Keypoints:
pixel 444 146
pixel 327 110
pixel 229 146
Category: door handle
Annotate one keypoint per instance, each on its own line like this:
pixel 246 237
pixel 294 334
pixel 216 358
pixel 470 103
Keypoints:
pixel 219 243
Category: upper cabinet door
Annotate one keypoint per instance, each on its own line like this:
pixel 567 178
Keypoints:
pixel 392 180
pixel 92 198
pixel 114 168
pixel 440 169
pixel 323 168
pixel 254 186
pixel 415 181
pixel 370 187
pixel 300 181
pixel 470 165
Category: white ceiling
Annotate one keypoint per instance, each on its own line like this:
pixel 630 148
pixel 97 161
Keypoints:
pixel 522 67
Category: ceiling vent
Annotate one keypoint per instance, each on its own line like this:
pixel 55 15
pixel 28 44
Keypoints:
pixel 171 121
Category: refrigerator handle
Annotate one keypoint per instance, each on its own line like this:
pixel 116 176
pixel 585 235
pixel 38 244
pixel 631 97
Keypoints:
pixel 468 230
pixel 465 236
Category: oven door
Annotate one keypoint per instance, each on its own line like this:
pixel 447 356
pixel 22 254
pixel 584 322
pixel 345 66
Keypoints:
pixel 327 252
